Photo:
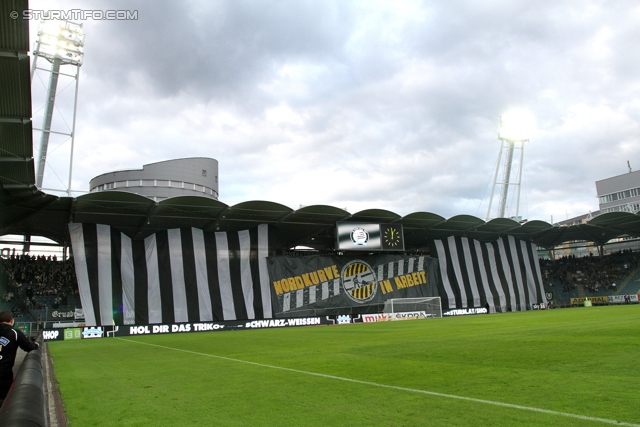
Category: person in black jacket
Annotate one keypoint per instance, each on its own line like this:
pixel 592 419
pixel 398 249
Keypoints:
pixel 10 340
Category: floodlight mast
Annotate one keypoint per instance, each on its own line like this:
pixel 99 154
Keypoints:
pixel 510 134
pixel 61 43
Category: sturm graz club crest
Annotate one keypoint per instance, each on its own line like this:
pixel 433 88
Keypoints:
pixel 359 236
pixel 359 281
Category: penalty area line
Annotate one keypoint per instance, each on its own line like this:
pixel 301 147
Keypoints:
pixel 393 387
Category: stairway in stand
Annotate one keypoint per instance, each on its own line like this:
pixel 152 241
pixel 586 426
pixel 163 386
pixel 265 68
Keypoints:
pixel 633 287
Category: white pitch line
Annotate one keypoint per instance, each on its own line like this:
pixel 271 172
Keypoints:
pixel 393 387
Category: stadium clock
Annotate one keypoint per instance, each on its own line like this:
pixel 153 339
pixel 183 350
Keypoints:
pixel 392 237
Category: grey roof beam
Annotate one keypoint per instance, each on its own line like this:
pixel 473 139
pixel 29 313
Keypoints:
pixel 32 211
pixel 146 220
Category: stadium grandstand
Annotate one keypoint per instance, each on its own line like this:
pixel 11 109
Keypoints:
pixel 28 211
pixel 133 261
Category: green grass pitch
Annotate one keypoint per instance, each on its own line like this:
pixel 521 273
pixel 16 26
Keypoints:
pixel 552 366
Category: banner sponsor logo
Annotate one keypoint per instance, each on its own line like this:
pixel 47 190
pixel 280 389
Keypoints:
pixel 72 333
pixel 410 315
pixel 92 332
pixel 580 301
pixel 343 320
pixel 539 306
pixel 62 314
pixel 359 281
pixel 50 335
pixel 384 317
pixel 369 318
pixel 619 299
pixel 465 311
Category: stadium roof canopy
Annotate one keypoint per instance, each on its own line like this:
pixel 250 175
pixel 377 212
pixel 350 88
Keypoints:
pixel 313 226
pixel 26 210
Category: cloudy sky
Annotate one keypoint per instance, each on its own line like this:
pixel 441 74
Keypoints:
pixel 358 104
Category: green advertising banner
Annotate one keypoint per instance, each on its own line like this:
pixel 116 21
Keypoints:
pixel 73 333
pixel 24 327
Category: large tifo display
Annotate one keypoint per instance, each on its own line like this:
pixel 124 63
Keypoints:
pixel 172 276
pixel 302 284
pixel 505 274
pixel 187 275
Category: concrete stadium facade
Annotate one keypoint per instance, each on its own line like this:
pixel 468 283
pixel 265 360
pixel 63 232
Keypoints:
pixel 619 193
pixel 195 176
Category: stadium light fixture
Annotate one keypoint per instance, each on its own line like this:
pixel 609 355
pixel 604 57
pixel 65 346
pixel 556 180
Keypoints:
pixel 60 42
pixel 515 126
pixel 515 129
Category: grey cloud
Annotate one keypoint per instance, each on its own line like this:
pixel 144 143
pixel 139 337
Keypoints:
pixel 417 98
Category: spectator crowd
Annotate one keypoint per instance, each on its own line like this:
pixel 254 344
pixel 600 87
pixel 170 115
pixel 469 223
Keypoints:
pixel 29 277
pixel 594 273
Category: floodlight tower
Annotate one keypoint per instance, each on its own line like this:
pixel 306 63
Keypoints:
pixel 514 132
pixel 61 43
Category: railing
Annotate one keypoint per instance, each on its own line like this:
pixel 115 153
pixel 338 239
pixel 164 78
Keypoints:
pixel 24 405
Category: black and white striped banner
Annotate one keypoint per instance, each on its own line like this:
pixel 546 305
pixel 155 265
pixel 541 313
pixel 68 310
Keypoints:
pixel 504 274
pixel 172 276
